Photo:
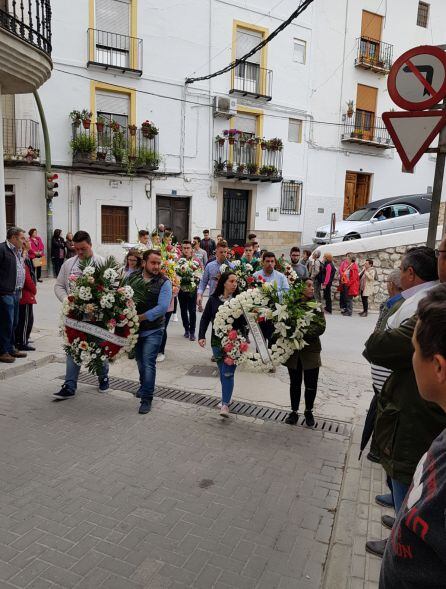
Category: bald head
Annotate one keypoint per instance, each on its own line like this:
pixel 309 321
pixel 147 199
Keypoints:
pixel 442 261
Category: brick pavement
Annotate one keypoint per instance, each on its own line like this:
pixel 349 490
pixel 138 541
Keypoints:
pixel 94 495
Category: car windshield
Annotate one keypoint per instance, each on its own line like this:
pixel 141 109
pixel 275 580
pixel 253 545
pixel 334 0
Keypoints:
pixel 361 215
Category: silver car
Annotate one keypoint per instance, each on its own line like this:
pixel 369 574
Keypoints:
pixel 388 215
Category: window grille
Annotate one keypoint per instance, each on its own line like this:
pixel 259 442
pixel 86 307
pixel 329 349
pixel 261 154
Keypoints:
pixel 423 14
pixel 291 199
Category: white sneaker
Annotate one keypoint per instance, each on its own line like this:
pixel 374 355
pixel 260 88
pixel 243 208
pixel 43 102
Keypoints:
pixel 224 412
pixel 175 318
pixel 160 358
pixel 219 406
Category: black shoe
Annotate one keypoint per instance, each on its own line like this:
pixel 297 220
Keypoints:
pixel 39 280
pixel 26 348
pixel 192 337
pixel 373 457
pixel 309 419
pixel 213 359
pixel 65 392
pixel 388 521
pixel 104 384
pixel 376 547
pixel 186 334
pixel 292 418
pixel 145 407
pixel 385 500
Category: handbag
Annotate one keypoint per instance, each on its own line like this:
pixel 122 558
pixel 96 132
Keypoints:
pixel 37 262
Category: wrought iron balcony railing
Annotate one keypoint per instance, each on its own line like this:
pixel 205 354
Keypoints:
pixel 30 20
pixel 114 51
pixel 21 140
pixel 247 160
pixel 249 79
pixel 115 150
pixel 366 128
pixel 374 55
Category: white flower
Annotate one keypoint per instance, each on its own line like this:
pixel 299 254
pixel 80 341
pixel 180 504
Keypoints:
pixel 89 270
pixel 85 293
pixel 110 274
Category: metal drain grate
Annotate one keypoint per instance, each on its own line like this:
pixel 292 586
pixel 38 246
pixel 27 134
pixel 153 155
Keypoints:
pixel 202 371
pixel 237 407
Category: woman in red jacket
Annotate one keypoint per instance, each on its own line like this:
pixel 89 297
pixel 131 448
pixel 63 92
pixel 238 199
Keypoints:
pixel 350 278
pixel 28 299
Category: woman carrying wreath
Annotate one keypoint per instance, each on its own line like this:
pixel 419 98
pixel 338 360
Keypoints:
pixel 226 289
pixel 305 363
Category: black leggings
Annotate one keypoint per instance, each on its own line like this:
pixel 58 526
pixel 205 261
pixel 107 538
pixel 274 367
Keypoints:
pixel 310 378
pixel 365 303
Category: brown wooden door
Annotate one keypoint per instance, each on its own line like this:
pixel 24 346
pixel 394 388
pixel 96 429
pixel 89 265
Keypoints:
pixel 362 190
pixel 350 193
pixel 174 212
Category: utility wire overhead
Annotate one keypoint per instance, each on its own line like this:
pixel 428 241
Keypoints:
pixel 302 7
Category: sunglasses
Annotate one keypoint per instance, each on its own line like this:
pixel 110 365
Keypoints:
pixel 438 252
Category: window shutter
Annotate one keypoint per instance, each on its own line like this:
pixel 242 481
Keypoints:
pixel 295 130
pixel 371 25
pixel 299 51
pixel 111 102
pixel 113 16
pixel 246 123
pixel 247 40
pixel 366 98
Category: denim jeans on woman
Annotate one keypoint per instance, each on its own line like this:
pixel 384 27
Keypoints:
pixel 226 377
pixel 146 351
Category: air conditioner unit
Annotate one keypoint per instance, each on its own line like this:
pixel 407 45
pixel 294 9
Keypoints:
pixel 273 213
pixel 225 107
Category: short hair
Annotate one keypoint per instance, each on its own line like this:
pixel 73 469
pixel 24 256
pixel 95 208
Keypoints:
pixel 352 258
pixel 205 230
pixel 370 261
pixel 268 255
pixel 82 236
pixel 196 238
pixel 307 253
pixel 167 233
pixel 423 261
pixel 143 232
pixel 294 249
pixel 248 244
pixel 252 236
pixel 431 325
pixel 221 244
pixel 186 242
pixel 13 232
pixel 220 235
pixel 31 231
pixel 395 278
pixel 146 255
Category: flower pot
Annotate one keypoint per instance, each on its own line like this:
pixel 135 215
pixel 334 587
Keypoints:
pixel 86 123
pixel 101 155
pixel 221 142
pixel 263 145
pixel 145 133
pixel 132 131
pixel 231 140
pixel 77 123
pixel 100 127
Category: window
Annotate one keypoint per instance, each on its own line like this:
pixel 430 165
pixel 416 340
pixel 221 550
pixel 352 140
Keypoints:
pixel 10 205
pixel 290 202
pixel 403 210
pixel 247 76
pixel 246 123
pixel 423 14
pixel 295 130
pixel 113 106
pixel 299 51
pixel 113 32
pixel 115 224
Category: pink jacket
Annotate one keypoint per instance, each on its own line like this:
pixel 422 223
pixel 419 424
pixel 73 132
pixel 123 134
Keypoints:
pixel 36 244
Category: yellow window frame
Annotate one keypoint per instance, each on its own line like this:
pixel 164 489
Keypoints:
pixel 130 92
pixel 258 113
pixel 238 24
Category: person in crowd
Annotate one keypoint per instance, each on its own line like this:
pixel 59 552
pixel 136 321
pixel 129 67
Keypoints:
pixel 167 238
pixel 248 257
pixel 132 262
pixel 304 365
pixel 211 273
pixel 72 267
pixel 269 274
pixel 226 289
pixel 151 314
pixel 36 252
pixel 306 257
pixel 220 238
pixel 188 300
pixel 27 300
pixel 156 240
pixel 257 252
pixel 415 556
pixel 144 237
pixel 199 253
pixel 70 251
pixel 314 269
pixel 160 231
pixel 366 285
pixel 57 251
pixel 253 237
pixel 296 264
pixel 327 274
pixel 12 280
pixel 208 245
pixel 162 351
pixel 349 278
pixel 405 424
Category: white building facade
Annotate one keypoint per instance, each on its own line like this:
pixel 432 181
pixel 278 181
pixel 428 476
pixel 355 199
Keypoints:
pixel 297 157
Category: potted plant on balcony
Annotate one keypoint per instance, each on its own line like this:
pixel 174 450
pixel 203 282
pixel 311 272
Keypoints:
pixel 252 141
pixel 100 123
pixel 147 158
pixel 252 168
pixel 268 171
pixel 132 130
pixel 149 130
pixel 263 144
pixel 241 168
pixel 219 166
pixel 83 146
pixel 31 154
pixel 119 146
pixel 350 109
pixel 220 140
pixel 75 116
pixel 275 144
pixel 115 126
pixel 231 134
pixel 229 167
pixel 86 118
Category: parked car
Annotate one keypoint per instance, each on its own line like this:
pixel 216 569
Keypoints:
pixel 388 215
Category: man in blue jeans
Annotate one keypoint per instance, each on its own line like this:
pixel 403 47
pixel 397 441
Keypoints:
pixel 12 278
pixel 151 314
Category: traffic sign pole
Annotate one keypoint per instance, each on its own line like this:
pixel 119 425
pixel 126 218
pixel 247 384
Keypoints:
pixel 437 189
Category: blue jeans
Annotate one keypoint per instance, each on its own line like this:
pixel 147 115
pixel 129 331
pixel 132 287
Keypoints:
pixel 72 373
pixel 226 377
pixel 9 317
pixel 399 491
pixel 146 352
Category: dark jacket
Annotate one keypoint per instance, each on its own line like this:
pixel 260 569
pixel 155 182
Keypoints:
pixel 150 301
pixel 8 270
pixel 57 245
pixel 208 245
pixel 212 306
pixel 406 425
pixel 310 355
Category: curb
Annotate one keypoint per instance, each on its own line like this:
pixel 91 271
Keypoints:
pixel 28 366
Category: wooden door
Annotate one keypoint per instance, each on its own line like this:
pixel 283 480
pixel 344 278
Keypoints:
pixel 235 215
pixel 362 190
pixel 174 213
pixel 350 193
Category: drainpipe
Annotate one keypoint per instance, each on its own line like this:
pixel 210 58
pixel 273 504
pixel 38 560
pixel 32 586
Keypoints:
pixel 48 201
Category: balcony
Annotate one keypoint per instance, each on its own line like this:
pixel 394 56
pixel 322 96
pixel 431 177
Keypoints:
pixel 25 45
pixel 249 79
pixel 114 150
pixel 20 142
pixel 115 52
pixel 248 158
pixel 374 55
pixel 366 128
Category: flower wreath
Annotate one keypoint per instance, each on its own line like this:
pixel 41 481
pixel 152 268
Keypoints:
pixel 291 317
